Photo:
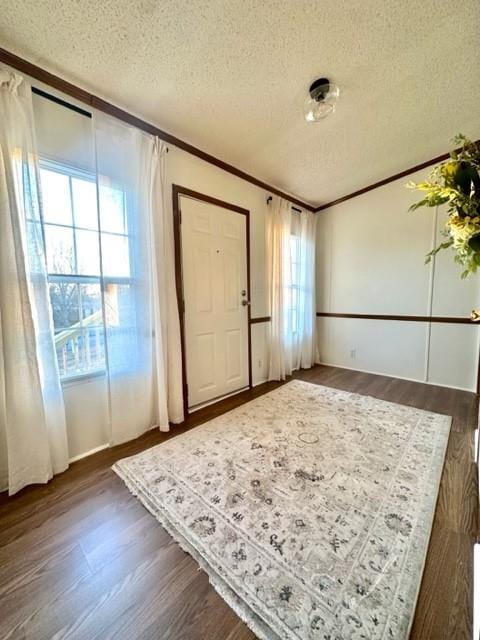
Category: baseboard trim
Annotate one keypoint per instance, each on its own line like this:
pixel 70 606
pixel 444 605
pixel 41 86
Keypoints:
pixel 391 375
pixel 208 403
pixel 255 384
pixel 88 453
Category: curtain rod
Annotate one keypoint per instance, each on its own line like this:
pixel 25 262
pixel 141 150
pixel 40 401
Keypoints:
pixel 63 103
pixel 269 199
pixel 99 104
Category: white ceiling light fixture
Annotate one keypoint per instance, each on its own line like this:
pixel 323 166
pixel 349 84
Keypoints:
pixel 321 102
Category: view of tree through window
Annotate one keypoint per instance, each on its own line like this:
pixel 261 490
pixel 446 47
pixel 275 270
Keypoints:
pixel 75 251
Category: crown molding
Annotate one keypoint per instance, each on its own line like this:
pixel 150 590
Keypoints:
pixel 95 102
pixel 385 181
pixel 100 104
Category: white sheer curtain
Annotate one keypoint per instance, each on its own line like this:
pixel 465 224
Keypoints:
pixel 33 444
pixel 278 228
pixel 143 355
pixel 169 350
pixel 290 248
pixel 304 340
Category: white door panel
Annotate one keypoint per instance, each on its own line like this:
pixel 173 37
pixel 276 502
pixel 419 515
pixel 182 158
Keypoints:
pixel 214 262
pixel 203 271
pixel 231 262
pixel 233 357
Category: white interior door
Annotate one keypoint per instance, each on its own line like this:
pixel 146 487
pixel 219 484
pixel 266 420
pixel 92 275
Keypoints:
pixel 215 290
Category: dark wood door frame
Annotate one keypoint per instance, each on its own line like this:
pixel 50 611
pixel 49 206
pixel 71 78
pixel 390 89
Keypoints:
pixel 177 192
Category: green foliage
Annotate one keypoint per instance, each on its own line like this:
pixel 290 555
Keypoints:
pixel 433 252
pixel 456 184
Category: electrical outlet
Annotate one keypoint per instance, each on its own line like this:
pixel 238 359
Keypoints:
pixel 353 354
pixel 260 363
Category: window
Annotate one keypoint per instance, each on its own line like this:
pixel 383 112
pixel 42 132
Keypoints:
pixel 83 264
pixel 292 297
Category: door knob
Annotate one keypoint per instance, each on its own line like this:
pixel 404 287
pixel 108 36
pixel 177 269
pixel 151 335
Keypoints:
pixel 244 292
pixel 245 302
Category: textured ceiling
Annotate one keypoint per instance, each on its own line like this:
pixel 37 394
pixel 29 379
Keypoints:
pixel 231 76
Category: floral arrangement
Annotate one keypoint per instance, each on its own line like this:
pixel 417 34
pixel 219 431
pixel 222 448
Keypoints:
pixel 456 183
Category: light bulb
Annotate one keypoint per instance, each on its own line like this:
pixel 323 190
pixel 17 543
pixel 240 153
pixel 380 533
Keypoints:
pixel 315 111
pixel 321 101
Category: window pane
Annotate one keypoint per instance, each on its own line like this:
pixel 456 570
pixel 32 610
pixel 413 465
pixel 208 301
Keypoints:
pixel 79 343
pixel 91 301
pixel 65 304
pixel 72 248
pixel 112 210
pixel 121 325
pixel 288 299
pixel 35 246
pixel 56 197
pixel 115 256
pixel 80 351
pixel 60 254
pixel 120 310
pixel 294 248
pixel 88 256
pixel 294 321
pixel 85 203
pixel 295 274
pixel 294 298
pixel 94 348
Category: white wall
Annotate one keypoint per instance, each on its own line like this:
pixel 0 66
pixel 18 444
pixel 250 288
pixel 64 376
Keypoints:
pixel 370 260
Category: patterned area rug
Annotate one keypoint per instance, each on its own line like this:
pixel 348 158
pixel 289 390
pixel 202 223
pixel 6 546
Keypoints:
pixel 309 508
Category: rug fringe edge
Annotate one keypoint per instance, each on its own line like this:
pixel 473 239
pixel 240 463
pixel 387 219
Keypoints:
pixel 243 611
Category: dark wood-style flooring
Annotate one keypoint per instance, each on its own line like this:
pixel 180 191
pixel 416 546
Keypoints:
pixel 80 558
